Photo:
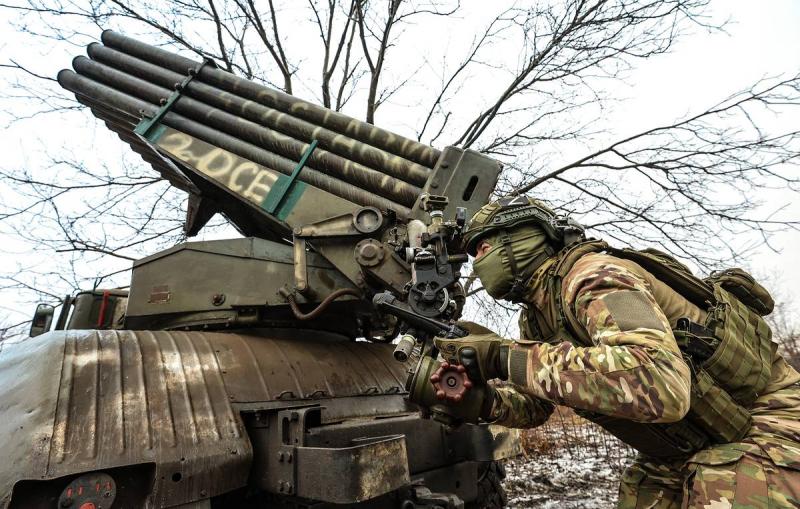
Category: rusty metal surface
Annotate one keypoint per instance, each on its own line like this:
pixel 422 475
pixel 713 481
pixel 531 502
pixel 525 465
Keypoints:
pixel 339 471
pixel 29 377
pixel 428 445
pixel 298 452
pixel 352 474
pixel 127 398
pixel 89 400
pixel 258 370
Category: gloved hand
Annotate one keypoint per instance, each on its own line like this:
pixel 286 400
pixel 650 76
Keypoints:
pixel 483 353
pixel 477 403
pixel 476 406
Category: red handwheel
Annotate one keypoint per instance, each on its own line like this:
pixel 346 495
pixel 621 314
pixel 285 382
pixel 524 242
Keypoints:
pixel 451 382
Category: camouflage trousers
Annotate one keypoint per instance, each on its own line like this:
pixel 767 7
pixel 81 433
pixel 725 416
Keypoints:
pixel 716 478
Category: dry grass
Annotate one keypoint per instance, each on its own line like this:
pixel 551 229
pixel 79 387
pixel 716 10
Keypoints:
pixel 565 433
pixel 569 463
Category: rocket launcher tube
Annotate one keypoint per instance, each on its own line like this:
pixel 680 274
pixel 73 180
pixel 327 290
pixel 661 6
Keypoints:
pixel 119 124
pixel 343 145
pixel 93 93
pixel 337 122
pixel 245 130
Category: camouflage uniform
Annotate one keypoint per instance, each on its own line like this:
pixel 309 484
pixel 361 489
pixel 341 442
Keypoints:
pixel 515 409
pixel 635 371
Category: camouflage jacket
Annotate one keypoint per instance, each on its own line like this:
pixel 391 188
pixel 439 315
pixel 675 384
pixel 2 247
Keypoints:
pixel 633 369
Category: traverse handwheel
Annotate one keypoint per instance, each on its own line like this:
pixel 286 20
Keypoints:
pixel 451 382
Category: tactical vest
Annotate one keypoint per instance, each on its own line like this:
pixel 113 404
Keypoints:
pixel 730 356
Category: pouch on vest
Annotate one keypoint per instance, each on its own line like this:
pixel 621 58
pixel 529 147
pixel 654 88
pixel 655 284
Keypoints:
pixel 715 411
pixel 742 363
pixel 742 360
pixel 745 288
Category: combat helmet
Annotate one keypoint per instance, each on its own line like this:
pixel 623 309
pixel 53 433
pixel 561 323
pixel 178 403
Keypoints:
pixel 512 211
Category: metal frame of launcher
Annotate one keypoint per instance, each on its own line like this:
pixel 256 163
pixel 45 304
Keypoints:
pixel 433 270
pixel 432 296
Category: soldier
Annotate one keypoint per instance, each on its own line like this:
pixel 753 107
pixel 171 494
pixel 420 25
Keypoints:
pixel 679 368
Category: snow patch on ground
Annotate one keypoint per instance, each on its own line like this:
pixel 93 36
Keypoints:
pixel 550 482
pixel 568 462
pixel 562 481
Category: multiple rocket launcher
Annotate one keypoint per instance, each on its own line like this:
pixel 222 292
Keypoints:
pixel 124 81
pixel 279 167
pixel 376 210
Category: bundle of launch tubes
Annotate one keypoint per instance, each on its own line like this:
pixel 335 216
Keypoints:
pixel 124 80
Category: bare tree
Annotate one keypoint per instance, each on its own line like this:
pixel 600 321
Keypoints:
pixel 720 150
pixel 7 331
pixel 12 332
pixel 785 326
pixel 789 341
pixel 552 92
pixel 335 47
pixel 379 30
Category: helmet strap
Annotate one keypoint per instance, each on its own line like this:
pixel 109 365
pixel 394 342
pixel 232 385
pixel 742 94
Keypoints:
pixel 517 291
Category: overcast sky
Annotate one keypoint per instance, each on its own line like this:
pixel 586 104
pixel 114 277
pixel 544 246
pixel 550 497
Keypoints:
pixel 762 39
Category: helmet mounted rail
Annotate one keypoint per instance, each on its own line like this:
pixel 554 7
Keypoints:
pixel 513 211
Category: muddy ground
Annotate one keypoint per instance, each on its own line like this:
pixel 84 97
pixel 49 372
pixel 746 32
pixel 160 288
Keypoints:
pixel 569 463
pixel 564 482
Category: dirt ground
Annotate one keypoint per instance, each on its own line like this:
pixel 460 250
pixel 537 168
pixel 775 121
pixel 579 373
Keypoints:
pixel 570 463
pixel 550 482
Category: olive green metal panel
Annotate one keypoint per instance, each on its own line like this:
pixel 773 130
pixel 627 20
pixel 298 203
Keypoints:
pixel 29 381
pixel 467 178
pixel 223 276
pixel 91 400
pixel 289 369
